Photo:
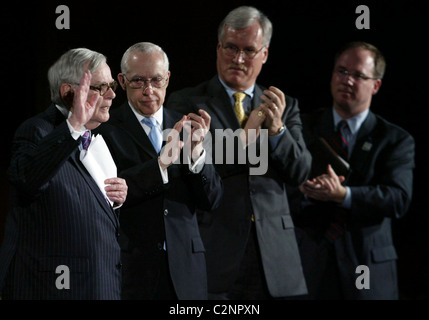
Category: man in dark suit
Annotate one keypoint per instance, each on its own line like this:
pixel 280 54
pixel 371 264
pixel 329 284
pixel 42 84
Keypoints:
pixel 163 255
pixel 347 246
pixel 252 251
pixel 61 231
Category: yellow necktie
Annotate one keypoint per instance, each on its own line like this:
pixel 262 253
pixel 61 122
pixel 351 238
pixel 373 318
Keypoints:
pixel 238 107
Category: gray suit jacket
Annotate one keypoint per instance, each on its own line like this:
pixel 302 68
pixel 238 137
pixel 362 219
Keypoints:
pixel 58 216
pixel 225 230
pixel 381 181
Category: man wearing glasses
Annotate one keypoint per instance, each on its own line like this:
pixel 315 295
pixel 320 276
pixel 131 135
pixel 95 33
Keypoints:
pixel 163 254
pixel 347 246
pixel 61 236
pixel 250 241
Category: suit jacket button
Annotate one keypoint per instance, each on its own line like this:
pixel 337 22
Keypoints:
pixel 165 212
pixel 159 245
pixel 119 266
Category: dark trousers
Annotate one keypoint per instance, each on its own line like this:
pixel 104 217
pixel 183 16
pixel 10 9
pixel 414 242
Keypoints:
pixel 250 283
pixel 320 267
pixel 150 279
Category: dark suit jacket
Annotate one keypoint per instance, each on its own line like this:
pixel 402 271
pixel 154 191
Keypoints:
pixel 58 216
pixel 382 163
pixel 154 212
pixel 225 230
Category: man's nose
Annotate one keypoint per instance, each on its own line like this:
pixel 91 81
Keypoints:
pixel 239 57
pixel 348 79
pixel 110 94
pixel 147 88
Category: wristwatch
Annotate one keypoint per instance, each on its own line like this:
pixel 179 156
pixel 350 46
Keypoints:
pixel 281 129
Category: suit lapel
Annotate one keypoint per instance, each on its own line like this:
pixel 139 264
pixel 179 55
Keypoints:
pixel 326 128
pixel 364 144
pixel 168 120
pixel 93 186
pixel 131 125
pixel 256 101
pixel 218 105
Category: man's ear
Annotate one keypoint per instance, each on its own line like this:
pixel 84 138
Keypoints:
pixel 65 89
pixel 121 80
pixel 265 53
pixel 67 94
pixel 377 85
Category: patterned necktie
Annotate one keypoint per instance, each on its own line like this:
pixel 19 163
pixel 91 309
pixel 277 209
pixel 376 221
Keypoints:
pixel 342 131
pixel 238 107
pixel 338 225
pixel 86 140
pixel 154 135
pixel 339 139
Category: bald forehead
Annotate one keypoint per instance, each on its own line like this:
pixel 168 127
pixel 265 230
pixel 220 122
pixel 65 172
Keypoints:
pixel 147 62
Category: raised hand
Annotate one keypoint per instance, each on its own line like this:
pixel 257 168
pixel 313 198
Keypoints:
pixel 273 107
pixel 200 125
pixel 82 107
pixel 171 151
pixel 253 126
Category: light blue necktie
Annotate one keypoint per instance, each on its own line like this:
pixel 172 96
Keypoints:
pixel 155 135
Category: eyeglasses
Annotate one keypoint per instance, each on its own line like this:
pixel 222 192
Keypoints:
pixel 232 51
pixel 139 82
pixel 355 75
pixel 104 87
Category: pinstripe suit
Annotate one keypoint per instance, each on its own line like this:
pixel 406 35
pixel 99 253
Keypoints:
pixel 58 216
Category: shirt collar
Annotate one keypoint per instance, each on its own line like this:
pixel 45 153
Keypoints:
pixel 63 110
pixel 353 122
pixel 158 115
pixel 67 114
pixel 230 92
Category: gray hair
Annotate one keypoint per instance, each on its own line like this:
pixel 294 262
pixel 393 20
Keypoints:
pixel 244 16
pixel 143 47
pixel 69 68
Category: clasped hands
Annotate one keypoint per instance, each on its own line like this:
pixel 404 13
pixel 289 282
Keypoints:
pixel 326 187
pixel 268 114
pixel 196 127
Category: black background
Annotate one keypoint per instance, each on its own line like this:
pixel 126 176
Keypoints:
pixel 305 38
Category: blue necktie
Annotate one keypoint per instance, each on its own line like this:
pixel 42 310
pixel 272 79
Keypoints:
pixel 154 135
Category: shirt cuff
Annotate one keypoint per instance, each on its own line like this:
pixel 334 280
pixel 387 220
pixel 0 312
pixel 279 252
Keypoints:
pixel 198 165
pixel 274 140
pixel 164 173
pixel 117 206
pixel 75 134
pixel 347 203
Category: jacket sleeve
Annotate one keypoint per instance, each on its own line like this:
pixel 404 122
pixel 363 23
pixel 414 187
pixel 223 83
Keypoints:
pixel 39 150
pixel 291 157
pixel 389 192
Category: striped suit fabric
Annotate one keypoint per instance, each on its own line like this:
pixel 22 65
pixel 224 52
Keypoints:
pixel 57 217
